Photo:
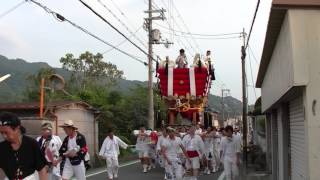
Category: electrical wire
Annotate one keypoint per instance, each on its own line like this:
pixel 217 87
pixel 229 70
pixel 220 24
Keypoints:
pixel 254 57
pixel 184 23
pixel 254 89
pixel 179 41
pixel 123 14
pixel 122 23
pixel 252 24
pixel 203 38
pixel 198 34
pixel 179 27
pixel 61 18
pixel 12 9
pixel 122 42
pixel 113 27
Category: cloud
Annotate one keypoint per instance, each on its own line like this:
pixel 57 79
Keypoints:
pixel 11 42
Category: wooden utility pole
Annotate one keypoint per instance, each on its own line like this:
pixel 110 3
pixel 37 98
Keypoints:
pixel 150 77
pixel 244 97
pixel 152 40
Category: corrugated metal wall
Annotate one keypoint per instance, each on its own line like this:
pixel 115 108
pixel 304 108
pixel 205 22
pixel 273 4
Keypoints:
pixel 297 140
pixel 275 148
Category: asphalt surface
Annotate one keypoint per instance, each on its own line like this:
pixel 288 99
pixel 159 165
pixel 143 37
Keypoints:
pixel 134 172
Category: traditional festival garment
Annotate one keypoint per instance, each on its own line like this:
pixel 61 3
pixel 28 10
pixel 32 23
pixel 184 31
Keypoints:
pixel 230 146
pixel 172 147
pixel 75 165
pixel 110 151
pixel 195 149
pixel 50 150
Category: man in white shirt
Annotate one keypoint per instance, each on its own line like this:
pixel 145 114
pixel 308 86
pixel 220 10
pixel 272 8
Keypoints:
pixel 142 146
pixel 209 63
pixel 50 145
pixel 161 139
pixel 207 58
pixel 170 150
pixel 216 150
pixel 230 154
pixel 195 149
pixel 72 153
pixel 181 60
pixel 208 138
pixel 110 151
pixel 238 134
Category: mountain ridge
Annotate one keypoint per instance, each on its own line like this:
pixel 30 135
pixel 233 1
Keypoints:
pixel 13 88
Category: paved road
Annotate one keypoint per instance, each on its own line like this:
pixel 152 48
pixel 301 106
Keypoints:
pixel 134 172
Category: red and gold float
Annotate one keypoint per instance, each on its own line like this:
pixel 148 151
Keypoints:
pixel 184 90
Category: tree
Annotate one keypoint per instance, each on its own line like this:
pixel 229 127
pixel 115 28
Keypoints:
pixel 89 69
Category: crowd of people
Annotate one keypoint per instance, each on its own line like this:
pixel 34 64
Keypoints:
pixel 184 152
pixel 44 158
pixel 187 152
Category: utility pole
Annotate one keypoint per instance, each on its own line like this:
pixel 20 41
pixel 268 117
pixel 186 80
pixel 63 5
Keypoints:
pixel 222 105
pixel 150 78
pixel 244 97
pixel 153 38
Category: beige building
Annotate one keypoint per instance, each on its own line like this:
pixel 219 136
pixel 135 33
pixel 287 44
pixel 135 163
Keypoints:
pixel 289 78
pixel 57 112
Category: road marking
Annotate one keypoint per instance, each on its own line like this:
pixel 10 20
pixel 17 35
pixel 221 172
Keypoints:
pixel 122 165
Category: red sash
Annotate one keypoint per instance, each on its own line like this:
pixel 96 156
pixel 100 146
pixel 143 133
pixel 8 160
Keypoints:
pixel 192 154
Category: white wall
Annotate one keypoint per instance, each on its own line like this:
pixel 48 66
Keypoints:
pixel 306 31
pixel 279 75
pixel 83 119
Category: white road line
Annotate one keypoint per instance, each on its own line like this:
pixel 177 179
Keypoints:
pixel 103 171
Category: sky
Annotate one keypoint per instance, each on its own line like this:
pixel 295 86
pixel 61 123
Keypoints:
pixel 32 34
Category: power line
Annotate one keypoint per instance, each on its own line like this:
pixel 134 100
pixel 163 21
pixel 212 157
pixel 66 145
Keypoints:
pixel 179 41
pixel 113 27
pixel 203 38
pixel 122 42
pixel 61 18
pixel 123 14
pixel 123 24
pixel 11 9
pixel 179 27
pixel 183 22
pixel 254 57
pixel 199 34
pixel 252 81
pixel 253 20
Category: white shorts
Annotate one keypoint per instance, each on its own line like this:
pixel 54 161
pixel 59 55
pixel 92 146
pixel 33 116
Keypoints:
pixel 79 171
pixel 143 154
pixel 194 163
pixel 231 170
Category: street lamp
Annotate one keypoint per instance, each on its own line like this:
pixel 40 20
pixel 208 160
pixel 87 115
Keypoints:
pixel 4 77
pixel 56 83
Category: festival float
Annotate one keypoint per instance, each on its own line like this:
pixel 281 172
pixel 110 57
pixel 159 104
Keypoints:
pixel 185 90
